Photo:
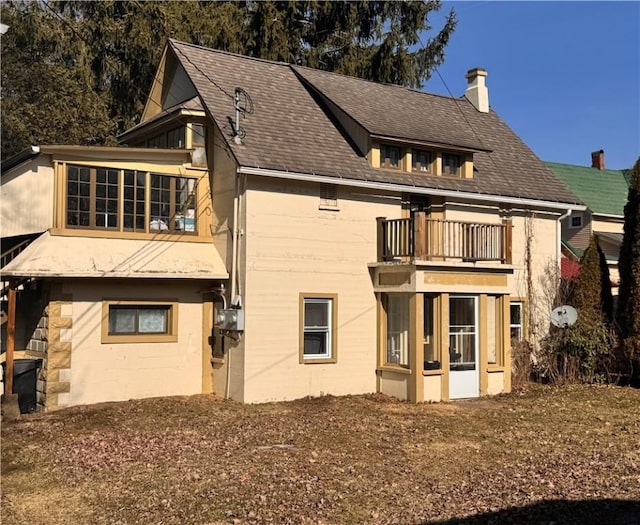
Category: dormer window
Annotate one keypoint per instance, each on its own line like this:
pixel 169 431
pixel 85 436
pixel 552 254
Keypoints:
pixel 421 160
pixel 451 164
pixel 389 156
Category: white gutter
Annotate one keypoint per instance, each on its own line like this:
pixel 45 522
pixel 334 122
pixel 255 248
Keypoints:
pixel 264 172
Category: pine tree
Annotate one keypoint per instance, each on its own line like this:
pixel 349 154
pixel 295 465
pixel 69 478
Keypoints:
pixel 589 336
pixel 628 312
pixel 108 50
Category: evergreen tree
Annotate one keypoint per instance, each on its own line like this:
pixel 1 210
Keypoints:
pixel 98 58
pixel 589 338
pixel 628 312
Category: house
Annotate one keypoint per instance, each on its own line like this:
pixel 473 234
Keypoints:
pixel 271 232
pixel 604 191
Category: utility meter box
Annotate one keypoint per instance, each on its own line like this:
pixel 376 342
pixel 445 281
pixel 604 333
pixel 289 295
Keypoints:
pixel 231 319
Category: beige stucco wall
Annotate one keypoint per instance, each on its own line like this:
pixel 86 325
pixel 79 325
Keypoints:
pixel 115 372
pixel 395 384
pixel 26 198
pixel 495 383
pixel 432 388
pixel 292 246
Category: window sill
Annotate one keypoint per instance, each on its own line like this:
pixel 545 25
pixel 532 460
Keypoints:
pixel 318 361
pixel 393 368
pixel 151 338
pixel 327 207
pixel 116 234
pixel 433 372
pixel 218 360
pixel 495 368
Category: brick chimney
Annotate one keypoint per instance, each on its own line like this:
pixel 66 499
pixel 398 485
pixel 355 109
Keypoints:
pixel 477 92
pixel 597 159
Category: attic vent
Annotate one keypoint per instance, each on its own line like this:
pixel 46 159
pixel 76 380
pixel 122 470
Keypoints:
pixel 328 196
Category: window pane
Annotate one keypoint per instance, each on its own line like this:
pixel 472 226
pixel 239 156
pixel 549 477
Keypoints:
pixel 315 343
pixel 198 135
pixel 316 313
pixel 398 329
pixel 462 333
pixel 492 343
pixel 515 313
pixel 152 320
pixel 122 320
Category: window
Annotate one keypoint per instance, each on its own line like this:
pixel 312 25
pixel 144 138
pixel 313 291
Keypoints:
pixel 576 221
pixel 172 204
pixel 94 200
pixel 397 306
pixel 140 321
pixel 515 322
pixel 421 160
pixel 92 197
pixel 431 351
pixel 175 138
pixel 462 333
pixel 450 164
pixel 494 355
pixel 389 156
pixel 328 196
pixel 318 328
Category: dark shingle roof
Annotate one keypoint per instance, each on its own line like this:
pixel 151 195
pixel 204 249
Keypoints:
pixel 291 130
pixel 603 191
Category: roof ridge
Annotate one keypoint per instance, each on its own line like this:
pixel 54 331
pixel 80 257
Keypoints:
pixel 581 166
pixel 230 53
pixel 376 83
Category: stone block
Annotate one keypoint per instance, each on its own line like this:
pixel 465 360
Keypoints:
pixel 64 374
pixel 64 399
pixel 66 335
pixel 58 387
pixel 66 310
pixel 59 357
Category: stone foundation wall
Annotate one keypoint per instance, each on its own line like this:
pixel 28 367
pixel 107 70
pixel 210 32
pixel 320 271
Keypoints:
pixel 55 376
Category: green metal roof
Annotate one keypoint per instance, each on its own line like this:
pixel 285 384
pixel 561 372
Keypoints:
pixel 603 191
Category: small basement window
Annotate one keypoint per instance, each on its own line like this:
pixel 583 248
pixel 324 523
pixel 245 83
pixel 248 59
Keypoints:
pixel 125 322
pixel 328 197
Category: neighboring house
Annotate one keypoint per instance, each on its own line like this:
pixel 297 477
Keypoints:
pixel 605 193
pixel 376 239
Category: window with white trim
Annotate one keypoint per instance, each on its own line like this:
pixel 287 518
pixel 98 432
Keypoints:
pixel 576 221
pixel 515 321
pixel 318 325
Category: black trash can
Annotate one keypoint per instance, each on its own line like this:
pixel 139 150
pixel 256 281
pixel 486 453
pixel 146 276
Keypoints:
pixel 25 378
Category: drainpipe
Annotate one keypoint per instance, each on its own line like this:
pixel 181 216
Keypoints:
pixel 234 273
pixel 559 238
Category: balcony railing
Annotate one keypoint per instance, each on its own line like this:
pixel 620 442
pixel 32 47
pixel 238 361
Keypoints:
pixel 423 238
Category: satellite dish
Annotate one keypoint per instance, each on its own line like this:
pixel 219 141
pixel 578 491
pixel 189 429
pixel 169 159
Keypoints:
pixel 563 316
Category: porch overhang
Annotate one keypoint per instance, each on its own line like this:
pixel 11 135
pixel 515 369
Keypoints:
pixel 57 256
pixel 441 277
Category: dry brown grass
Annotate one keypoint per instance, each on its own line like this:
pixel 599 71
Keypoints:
pixel 568 455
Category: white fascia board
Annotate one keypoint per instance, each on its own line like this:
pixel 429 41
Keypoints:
pixel 406 188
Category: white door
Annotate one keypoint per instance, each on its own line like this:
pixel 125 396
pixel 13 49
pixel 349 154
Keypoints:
pixel 464 374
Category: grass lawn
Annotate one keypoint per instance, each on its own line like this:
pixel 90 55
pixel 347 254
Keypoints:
pixel 545 455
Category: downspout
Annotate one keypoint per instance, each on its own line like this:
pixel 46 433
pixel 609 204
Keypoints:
pixel 234 273
pixel 559 238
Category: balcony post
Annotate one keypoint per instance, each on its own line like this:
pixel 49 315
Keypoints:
pixel 507 240
pixel 419 235
pixel 380 238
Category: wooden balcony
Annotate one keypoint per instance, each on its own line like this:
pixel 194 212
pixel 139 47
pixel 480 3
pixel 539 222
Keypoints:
pixel 422 238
